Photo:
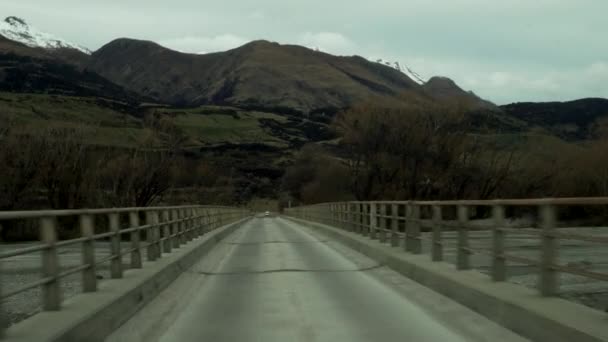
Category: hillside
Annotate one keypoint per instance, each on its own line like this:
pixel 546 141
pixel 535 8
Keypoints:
pixel 258 74
pixel 443 88
pixel 59 71
pixel 571 120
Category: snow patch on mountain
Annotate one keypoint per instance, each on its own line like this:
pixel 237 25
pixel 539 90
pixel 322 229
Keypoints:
pixel 404 69
pixel 17 29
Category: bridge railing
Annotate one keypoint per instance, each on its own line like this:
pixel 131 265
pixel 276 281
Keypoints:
pixel 153 230
pixel 400 223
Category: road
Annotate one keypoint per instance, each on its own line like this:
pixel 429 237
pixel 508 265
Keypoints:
pixel 273 280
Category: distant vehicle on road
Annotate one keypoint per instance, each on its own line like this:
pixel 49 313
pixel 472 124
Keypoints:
pixel 267 213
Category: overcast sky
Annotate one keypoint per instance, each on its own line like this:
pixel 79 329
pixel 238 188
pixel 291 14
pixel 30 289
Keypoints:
pixel 503 50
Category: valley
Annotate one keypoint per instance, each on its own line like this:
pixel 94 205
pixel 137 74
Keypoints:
pixel 237 121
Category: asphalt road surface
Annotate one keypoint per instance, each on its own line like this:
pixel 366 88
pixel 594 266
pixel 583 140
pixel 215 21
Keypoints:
pixel 273 280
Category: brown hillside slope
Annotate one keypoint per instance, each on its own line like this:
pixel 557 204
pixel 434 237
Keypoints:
pixel 258 74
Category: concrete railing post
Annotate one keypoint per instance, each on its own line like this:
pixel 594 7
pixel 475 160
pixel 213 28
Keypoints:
pixel 363 217
pixel 51 291
pixel 366 219
pixel 416 241
pixel 206 220
pixel 463 255
pixel 182 227
pixel 407 237
pixel 193 223
pixel 89 276
pixel 548 282
pixel 151 221
pixel 199 222
pixel 187 225
pixel 167 243
pixel 135 240
pixel 116 262
pixel 382 223
pixel 203 220
pixel 436 242
pixel 394 225
pixel 360 217
pixel 413 243
pixel 337 215
pixel 499 267
pixel 373 221
pixel 344 208
pixel 350 225
pixel 174 228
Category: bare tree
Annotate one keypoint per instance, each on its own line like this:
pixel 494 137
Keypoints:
pixel 138 177
pixel 418 149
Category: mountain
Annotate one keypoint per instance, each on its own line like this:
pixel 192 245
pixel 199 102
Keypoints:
pixel 18 30
pixel 404 69
pixel 260 73
pixel 571 120
pixel 58 71
pixel 443 88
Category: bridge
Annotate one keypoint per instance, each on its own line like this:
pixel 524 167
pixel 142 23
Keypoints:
pixel 346 271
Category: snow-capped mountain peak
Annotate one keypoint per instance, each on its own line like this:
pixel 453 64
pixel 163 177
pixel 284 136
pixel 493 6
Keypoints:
pixel 406 70
pixel 17 29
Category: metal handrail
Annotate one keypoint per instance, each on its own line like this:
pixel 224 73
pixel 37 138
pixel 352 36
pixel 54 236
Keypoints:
pixel 381 220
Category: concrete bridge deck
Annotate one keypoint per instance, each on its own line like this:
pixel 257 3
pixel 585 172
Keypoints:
pixel 275 280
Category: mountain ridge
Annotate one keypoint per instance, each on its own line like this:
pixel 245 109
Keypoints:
pixel 19 30
pixel 259 74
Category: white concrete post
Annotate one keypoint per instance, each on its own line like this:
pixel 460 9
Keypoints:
pixel 373 221
pixel 174 229
pixel 151 221
pixel 359 221
pixel 437 243
pixel 350 217
pixel 412 229
pixel 394 225
pixel 499 267
pixel 167 243
pixel 116 262
pixel 382 224
pixel 415 230
pixel 407 239
pixel 548 282
pixel 135 240
pixel 344 216
pixel 463 255
pixel 89 276
pixel 182 226
pixel 51 291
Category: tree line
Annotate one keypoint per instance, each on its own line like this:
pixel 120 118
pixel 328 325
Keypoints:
pixel 424 150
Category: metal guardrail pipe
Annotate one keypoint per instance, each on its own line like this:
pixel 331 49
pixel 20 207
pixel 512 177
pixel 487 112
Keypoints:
pixel 165 229
pixel 375 219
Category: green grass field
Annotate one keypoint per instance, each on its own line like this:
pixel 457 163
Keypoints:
pixel 110 124
pixel 221 128
pixel 112 127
